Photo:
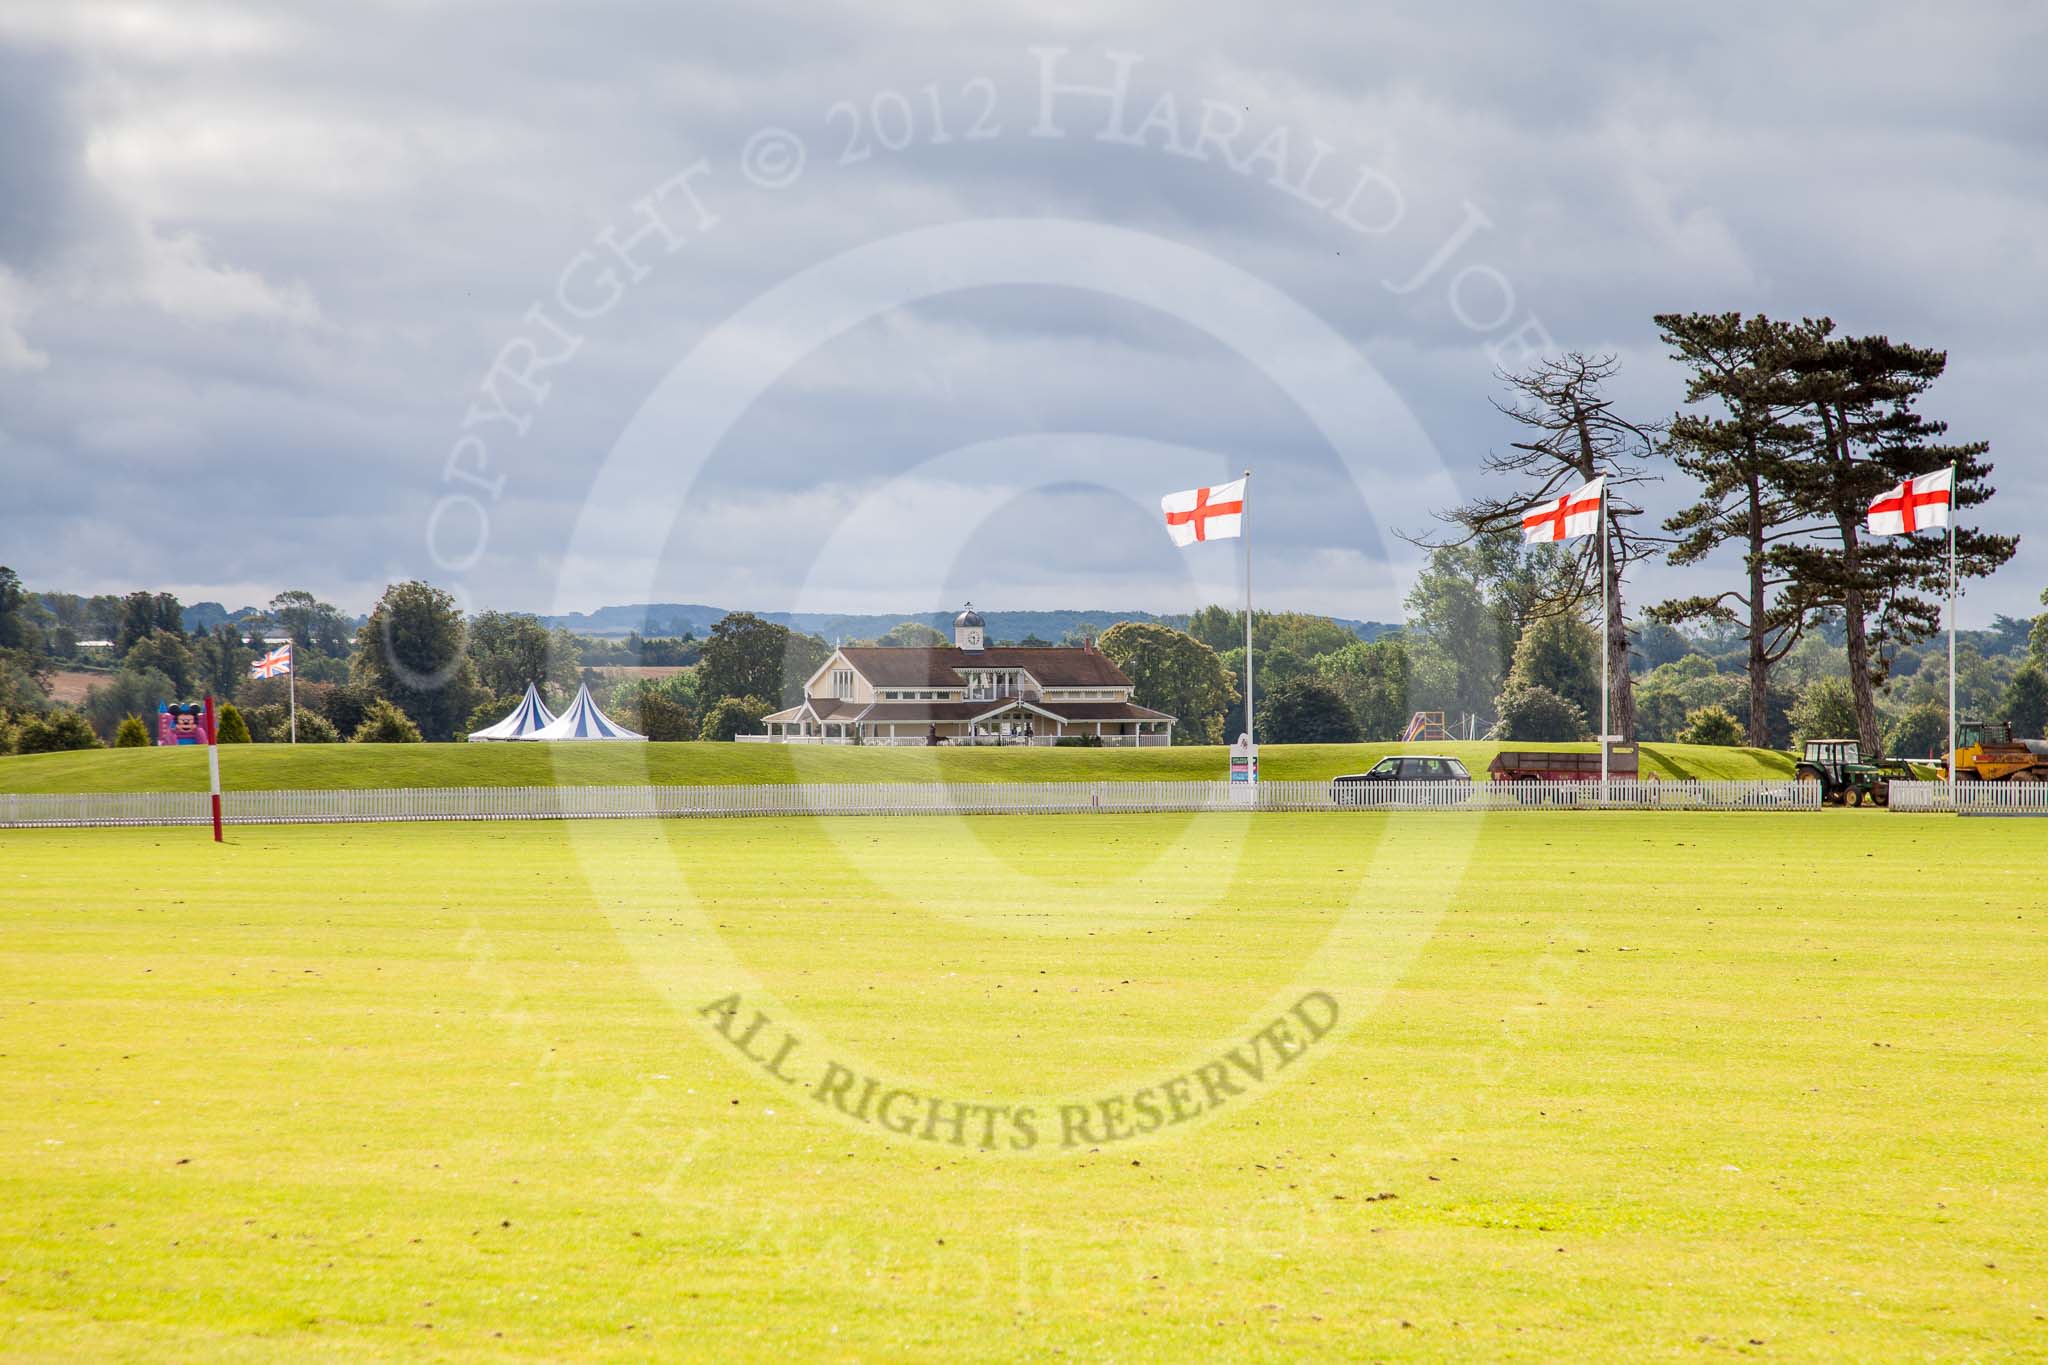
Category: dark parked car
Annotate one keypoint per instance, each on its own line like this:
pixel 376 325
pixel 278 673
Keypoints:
pixel 1450 781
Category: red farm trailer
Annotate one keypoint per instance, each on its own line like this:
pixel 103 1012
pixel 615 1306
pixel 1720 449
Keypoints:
pixel 1545 765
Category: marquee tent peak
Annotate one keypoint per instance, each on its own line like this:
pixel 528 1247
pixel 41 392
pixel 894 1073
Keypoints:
pixel 527 720
pixel 583 719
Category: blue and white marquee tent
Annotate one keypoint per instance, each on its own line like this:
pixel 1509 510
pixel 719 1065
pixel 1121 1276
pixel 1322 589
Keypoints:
pixel 526 721
pixel 583 721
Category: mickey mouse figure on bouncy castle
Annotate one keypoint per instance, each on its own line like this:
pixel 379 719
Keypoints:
pixel 180 723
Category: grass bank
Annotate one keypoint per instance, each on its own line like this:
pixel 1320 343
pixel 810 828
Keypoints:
pixel 273 767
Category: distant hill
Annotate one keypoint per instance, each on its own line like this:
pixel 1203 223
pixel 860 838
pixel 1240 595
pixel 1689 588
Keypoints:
pixel 694 618
pixel 201 617
pixel 676 618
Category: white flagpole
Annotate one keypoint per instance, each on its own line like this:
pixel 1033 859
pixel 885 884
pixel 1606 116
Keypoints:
pixel 1244 533
pixel 1606 643
pixel 1951 631
pixel 293 685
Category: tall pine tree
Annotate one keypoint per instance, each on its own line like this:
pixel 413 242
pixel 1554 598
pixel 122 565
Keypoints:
pixel 1743 457
pixel 1572 434
pixel 1860 395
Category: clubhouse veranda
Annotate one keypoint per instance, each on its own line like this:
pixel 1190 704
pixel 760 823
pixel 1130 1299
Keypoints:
pixel 969 692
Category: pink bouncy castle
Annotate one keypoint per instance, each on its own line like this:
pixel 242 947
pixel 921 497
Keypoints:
pixel 180 723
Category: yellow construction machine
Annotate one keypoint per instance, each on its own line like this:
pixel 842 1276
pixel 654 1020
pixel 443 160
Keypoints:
pixel 1987 752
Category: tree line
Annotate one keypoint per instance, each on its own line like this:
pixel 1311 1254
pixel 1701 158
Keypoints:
pixel 414 668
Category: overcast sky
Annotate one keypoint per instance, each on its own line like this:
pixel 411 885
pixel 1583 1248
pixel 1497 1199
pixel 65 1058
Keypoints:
pixel 562 305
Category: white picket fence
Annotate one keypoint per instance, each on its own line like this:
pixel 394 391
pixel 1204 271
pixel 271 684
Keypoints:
pixel 1917 798
pixel 884 798
pixel 1972 798
pixel 20 811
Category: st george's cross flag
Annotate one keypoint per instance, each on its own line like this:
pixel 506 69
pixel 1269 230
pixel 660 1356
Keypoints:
pixel 1916 503
pixel 1205 513
pixel 276 662
pixel 1565 517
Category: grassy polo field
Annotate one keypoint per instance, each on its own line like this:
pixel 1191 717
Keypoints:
pixel 1636 1085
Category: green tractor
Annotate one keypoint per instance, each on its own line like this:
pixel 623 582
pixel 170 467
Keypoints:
pixel 1845 779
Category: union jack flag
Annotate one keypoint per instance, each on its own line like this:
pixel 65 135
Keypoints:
pixel 277 661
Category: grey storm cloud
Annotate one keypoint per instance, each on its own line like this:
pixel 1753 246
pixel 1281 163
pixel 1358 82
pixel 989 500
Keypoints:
pixel 266 271
pixel 40 156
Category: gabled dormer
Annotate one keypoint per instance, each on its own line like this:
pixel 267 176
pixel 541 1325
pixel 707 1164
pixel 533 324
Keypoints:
pixel 838 680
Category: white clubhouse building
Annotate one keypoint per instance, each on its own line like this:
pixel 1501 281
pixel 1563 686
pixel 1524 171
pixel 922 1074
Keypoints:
pixel 967 693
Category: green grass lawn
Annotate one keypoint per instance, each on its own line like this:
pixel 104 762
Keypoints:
pixel 1611 1087
pixel 314 766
